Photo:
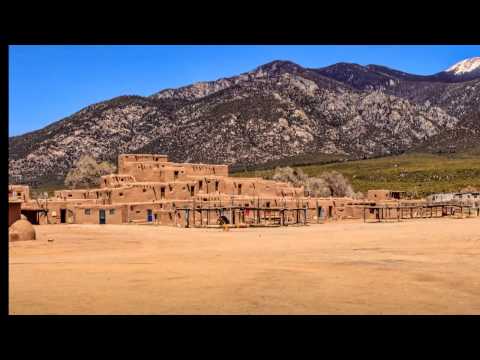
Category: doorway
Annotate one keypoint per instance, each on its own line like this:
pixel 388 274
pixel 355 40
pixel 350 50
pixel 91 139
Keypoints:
pixel 319 212
pixel 149 215
pixel 63 216
pixel 101 216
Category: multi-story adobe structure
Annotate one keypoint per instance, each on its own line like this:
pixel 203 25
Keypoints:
pixel 148 188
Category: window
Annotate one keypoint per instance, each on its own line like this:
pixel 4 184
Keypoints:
pixel 144 190
pixel 69 195
pixel 216 185
pixel 239 189
pixel 121 194
pixel 200 185
pixel 112 211
pixel 87 211
pixel 175 174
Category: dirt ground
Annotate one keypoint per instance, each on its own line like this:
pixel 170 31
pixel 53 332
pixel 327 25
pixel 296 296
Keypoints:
pixel 413 267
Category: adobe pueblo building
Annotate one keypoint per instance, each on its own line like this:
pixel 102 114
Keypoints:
pixel 150 189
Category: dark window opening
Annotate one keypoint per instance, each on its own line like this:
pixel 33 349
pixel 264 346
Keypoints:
pixel 216 185
pixel 200 185
pixel 239 189
pixel 162 193
pixel 87 211
pixel 175 174
pixel 192 190
pixel 112 211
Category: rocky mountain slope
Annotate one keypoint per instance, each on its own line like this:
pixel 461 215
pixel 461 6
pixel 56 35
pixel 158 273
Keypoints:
pixel 279 110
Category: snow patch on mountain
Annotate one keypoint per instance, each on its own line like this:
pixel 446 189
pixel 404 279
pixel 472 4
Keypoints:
pixel 465 66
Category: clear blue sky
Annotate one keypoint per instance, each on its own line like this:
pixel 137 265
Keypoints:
pixel 48 83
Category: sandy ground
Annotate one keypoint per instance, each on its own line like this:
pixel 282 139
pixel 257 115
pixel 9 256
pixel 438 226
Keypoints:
pixel 414 267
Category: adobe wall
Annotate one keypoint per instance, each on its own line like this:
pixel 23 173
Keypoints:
pixel 204 169
pixel 378 195
pixel 91 214
pixel 127 159
pixel 116 180
pixel 19 192
pixel 14 211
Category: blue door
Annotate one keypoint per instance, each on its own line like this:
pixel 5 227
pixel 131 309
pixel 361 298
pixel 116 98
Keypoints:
pixel 149 215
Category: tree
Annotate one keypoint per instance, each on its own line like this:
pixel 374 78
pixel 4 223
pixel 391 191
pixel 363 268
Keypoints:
pixel 330 183
pixel 338 184
pixel 86 172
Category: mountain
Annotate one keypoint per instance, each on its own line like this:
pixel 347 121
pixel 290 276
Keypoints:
pixel 277 111
pixel 468 68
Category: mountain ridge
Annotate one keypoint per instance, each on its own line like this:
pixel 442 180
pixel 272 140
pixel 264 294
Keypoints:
pixel 277 110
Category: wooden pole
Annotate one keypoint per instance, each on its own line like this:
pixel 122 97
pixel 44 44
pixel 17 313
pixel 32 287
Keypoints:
pixel 194 211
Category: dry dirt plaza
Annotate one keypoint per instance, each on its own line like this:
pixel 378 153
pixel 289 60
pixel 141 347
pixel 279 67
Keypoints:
pixel 429 266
